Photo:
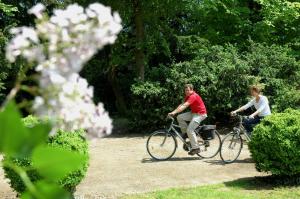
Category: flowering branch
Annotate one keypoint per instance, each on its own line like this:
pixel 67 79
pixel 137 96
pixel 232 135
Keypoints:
pixel 60 45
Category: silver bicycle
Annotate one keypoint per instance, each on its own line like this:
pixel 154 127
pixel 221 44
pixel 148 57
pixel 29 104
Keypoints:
pixel 162 144
pixel 232 143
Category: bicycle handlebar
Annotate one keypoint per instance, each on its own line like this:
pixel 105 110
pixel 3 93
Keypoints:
pixel 241 117
pixel 170 117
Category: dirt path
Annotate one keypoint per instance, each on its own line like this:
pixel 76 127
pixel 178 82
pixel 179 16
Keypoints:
pixel 121 166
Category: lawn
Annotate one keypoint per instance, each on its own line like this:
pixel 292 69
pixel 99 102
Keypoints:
pixel 238 189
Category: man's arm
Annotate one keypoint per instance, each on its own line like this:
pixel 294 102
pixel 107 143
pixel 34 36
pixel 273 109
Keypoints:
pixel 180 108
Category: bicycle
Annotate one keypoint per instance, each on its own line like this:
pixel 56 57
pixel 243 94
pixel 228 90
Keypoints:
pixel 232 143
pixel 162 144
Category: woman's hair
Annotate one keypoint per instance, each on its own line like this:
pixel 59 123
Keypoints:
pixel 255 89
pixel 190 86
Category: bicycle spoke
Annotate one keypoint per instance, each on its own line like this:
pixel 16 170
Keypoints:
pixel 164 140
pixel 210 148
pixel 161 145
pixel 231 147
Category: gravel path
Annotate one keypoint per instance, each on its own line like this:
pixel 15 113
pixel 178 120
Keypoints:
pixel 122 166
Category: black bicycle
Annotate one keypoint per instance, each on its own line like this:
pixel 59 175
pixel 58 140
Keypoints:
pixel 162 144
pixel 232 143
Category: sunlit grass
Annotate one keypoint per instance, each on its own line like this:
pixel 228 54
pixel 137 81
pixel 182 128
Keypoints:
pixel 239 189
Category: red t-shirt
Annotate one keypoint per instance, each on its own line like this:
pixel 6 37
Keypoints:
pixel 196 103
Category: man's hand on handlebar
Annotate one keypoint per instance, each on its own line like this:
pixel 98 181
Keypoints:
pixel 171 114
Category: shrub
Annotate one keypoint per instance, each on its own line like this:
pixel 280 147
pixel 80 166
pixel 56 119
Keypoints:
pixel 279 71
pixel 30 121
pixel 218 74
pixel 221 75
pixel 275 144
pixel 73 141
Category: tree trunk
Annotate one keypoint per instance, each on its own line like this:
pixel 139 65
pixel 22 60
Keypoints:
pixel 120 101
pixel 139 30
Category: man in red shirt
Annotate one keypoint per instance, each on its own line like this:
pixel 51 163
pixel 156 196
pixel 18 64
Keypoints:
pixel 195 116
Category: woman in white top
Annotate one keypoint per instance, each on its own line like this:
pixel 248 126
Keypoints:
pixel 261 105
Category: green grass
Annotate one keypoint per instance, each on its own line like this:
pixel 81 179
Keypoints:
pixel 238 189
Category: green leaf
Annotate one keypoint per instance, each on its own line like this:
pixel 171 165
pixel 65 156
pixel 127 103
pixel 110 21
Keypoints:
pixel 17 140
pixel 47 190
pixel 39 134
pixel 56 163
pixel 12 132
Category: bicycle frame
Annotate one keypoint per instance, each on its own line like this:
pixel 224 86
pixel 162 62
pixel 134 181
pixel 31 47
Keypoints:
pixel 172 131
pixel 242 130
pixel 172 128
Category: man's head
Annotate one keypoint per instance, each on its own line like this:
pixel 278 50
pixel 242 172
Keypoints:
pixel 254 91
pixel 188 89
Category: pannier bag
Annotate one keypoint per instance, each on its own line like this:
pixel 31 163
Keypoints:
pixel 207 132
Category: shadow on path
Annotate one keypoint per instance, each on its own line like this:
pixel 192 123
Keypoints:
pixel 251 183
pixel 220 162
pixel 267 182
pixel 150 160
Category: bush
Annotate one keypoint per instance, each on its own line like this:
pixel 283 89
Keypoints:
pixel 279 71
pixel 221 75
pixel 73 141
pixel 275 144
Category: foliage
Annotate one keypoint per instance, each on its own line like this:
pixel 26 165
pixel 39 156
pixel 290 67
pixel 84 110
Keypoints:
pixel 264 34
pixel 51 164
pixel 221 75
pixel 281 20
pixel 70 141
pixel 275 144
pixel 218 74
pixel 30 121
pixel 3 64
pixel 279 71
pixel 8 9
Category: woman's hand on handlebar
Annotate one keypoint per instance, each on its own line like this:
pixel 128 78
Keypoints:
pixel 250 117
pixel 233 113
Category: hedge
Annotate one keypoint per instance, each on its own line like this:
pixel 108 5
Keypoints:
pixel 275 144
pixel 73 141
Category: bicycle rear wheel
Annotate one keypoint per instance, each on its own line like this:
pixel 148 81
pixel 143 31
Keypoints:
pixel 210 148
pixel 231 147
pixel 161 145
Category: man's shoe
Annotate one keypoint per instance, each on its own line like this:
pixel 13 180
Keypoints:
pixel 194 151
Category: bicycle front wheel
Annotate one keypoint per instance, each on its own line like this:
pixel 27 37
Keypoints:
pixel 231 147
pixel 161 145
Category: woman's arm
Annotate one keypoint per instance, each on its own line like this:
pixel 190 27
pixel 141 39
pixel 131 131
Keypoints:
pixel 260 108
pixel 246 106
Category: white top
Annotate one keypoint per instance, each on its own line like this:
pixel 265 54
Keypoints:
pixel 262 106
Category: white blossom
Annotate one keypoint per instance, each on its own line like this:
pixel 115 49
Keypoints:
pixel 73 36
pixel 37 10
pixel 72 100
